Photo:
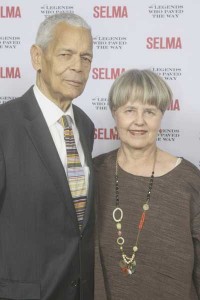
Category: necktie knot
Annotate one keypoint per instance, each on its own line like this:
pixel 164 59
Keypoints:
pixel 66 121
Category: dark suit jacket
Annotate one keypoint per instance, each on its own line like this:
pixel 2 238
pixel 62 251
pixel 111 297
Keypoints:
pixel 43 255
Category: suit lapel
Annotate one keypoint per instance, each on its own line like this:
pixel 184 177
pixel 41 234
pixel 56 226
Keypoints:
pixel 39 133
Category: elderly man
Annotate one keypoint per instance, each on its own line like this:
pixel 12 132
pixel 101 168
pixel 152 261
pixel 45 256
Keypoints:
pixel 46 196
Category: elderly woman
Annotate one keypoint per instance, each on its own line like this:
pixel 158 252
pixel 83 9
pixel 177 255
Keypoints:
pixel 148 204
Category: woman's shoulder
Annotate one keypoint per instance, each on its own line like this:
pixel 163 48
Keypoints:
pixel 168 163
pixel 190 168
pixel 186 173
pixel 105 159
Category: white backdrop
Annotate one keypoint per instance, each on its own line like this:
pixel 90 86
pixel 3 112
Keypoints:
pixel 160 35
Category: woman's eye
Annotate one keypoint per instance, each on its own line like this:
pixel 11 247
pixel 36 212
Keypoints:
pixel 150 112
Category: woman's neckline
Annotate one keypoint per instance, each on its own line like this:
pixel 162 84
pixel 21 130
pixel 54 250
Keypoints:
pixel 176 166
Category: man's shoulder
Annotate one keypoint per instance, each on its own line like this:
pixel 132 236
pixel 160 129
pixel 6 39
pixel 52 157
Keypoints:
pixel 9 108
pixel 13 108
pixel 16 101
pixel 80 114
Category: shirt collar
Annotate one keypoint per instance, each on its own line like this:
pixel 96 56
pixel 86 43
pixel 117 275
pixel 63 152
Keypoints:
pixel 51 112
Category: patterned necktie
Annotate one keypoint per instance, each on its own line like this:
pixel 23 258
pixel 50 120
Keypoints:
pixel 75 172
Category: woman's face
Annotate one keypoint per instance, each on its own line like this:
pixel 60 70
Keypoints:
pixel 138 124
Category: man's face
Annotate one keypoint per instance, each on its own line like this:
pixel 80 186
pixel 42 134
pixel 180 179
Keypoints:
pixel 65 64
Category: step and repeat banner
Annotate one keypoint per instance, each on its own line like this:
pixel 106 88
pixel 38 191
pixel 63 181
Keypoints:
pixel 159 35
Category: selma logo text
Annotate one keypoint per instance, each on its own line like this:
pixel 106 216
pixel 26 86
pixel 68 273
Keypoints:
pixel 10 12
pixel 164 43
pixel 106 134
pixel 175 105
pixel 110 12
pixel 106 73
pixel 10 72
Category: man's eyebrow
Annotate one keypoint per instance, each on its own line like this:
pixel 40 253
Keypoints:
pixel 66 50
pixel 73 51
pixel 87 54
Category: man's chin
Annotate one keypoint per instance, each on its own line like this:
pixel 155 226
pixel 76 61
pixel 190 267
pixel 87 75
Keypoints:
pixel 74 94
pixel 70 97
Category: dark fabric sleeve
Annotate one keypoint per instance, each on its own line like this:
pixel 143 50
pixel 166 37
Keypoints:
pixel 99 290
pixel 92 138
pixel 197 266
pixel 2 176
pixel 196 241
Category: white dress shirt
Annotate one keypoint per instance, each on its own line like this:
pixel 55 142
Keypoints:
pixel 52 113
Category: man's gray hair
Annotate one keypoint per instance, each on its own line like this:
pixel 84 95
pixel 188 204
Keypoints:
pixel 46 28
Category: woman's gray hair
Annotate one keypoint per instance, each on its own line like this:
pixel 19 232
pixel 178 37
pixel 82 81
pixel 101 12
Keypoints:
pixel 46 28
pixel 144 86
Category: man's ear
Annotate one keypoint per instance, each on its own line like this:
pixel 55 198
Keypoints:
pixel 36 57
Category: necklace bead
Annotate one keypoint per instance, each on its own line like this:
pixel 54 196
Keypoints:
pixel 146 206
pixel 120 240
pixel 119 226
pixel 135 248
pixel 118 209
pixel 119 233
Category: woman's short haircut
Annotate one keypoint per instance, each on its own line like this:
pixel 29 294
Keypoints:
pixel 46 28
pixel 144 86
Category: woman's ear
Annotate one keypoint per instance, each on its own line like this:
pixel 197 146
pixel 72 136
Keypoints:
pixel 113 112
pixel 36 57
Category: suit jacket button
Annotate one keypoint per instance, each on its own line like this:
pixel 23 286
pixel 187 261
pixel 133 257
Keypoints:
pixel 74 283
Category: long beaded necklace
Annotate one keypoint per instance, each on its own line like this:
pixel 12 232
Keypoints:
pixel 128 263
